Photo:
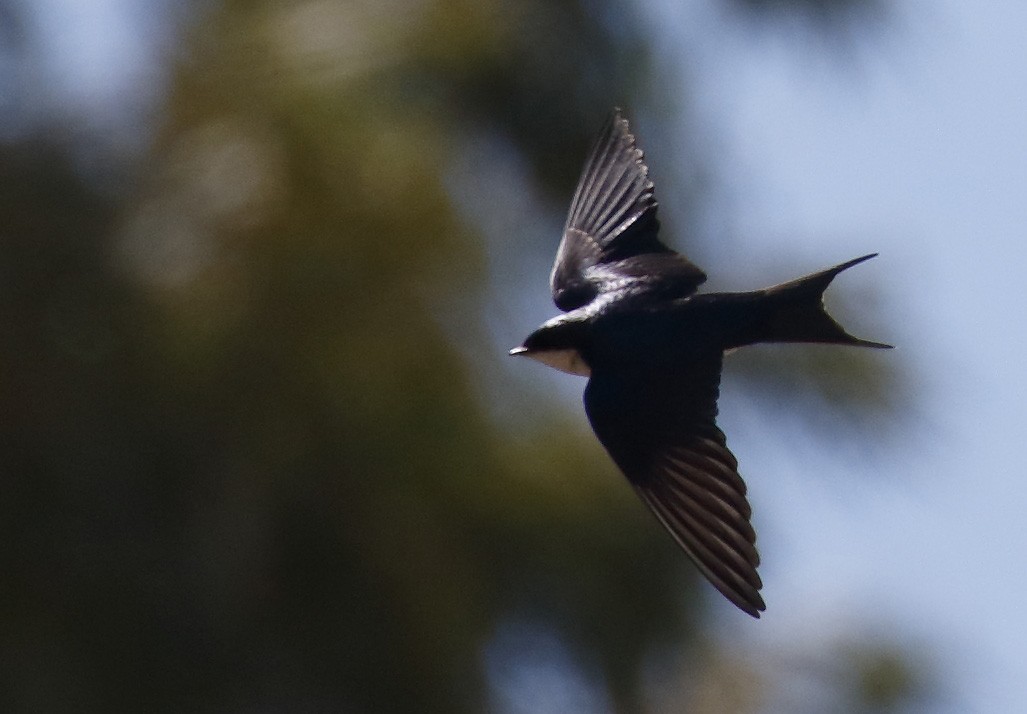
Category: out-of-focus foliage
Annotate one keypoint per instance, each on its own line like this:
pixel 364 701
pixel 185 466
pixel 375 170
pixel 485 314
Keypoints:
pixel 843 673
pixel 827 16
pixel 245 465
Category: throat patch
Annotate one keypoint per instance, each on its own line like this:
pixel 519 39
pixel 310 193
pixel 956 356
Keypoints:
pixel 568 361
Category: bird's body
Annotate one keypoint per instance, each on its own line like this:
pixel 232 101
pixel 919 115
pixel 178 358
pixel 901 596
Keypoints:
pixel 652 349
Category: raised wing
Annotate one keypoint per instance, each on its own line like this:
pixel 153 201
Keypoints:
pixel 659 428
pixel 612 226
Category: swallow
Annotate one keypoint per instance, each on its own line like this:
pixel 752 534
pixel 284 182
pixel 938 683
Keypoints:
pixel 652 348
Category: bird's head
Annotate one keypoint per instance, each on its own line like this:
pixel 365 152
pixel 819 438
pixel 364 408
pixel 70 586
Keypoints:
pixel 556 343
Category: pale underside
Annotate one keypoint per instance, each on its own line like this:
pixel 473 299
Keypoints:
pixel 568 361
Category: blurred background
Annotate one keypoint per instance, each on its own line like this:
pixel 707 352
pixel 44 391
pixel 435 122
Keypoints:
pixel 261 448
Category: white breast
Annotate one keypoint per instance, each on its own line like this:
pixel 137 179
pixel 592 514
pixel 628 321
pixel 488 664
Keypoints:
pixel 568 361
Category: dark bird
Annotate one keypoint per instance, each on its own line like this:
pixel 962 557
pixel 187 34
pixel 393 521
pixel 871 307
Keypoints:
pixel 652 350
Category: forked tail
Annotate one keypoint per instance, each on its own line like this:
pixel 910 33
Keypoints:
pixel 797 311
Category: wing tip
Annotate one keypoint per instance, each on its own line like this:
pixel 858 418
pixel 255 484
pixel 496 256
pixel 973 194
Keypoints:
pixel 741 587
pixel 753 607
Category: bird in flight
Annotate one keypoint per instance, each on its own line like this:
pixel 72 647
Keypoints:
pixel 652 348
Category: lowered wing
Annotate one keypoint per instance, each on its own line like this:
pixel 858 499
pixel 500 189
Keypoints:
pixel 659 428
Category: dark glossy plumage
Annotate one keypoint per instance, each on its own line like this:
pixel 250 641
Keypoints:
pixel 653 350
pixel 611 231
pixel 659 428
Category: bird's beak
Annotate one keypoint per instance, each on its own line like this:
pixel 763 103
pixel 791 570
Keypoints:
pixel 518 351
